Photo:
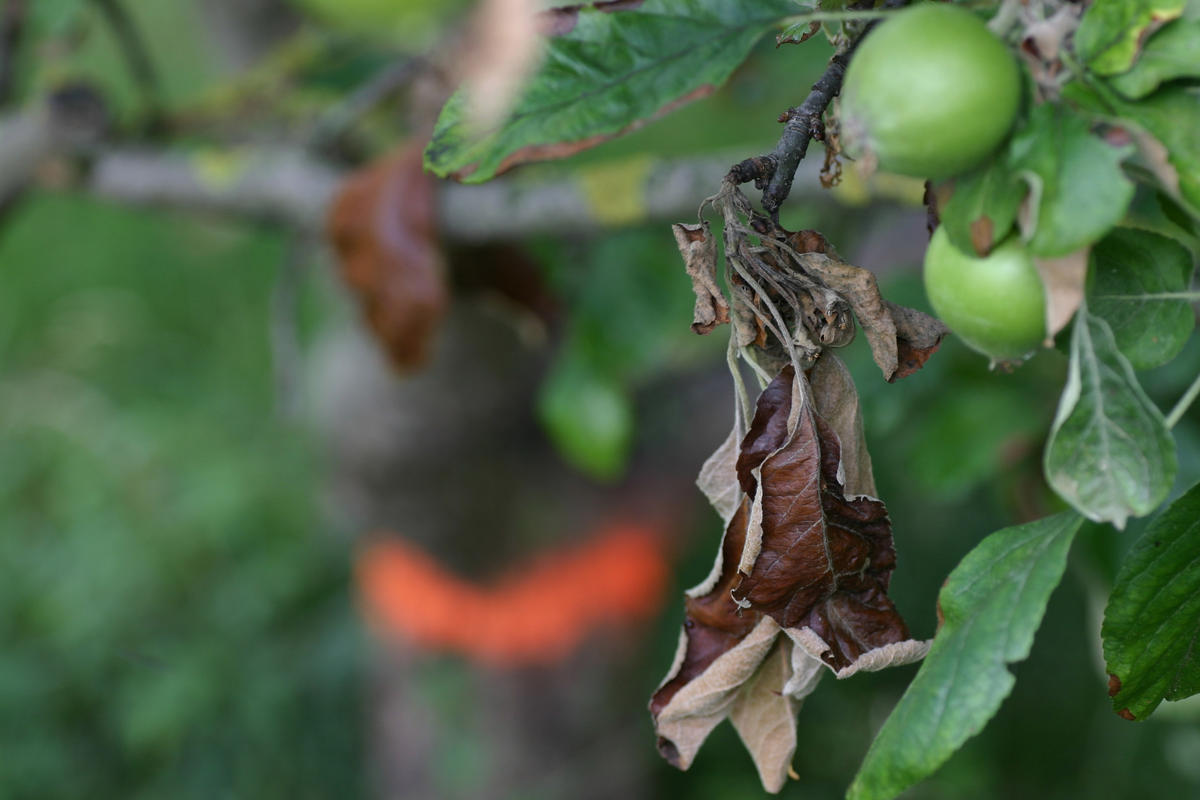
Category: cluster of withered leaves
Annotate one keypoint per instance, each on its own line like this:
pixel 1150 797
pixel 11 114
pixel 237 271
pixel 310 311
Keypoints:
pixel 801 578
pixel 383 228
pixel 792 295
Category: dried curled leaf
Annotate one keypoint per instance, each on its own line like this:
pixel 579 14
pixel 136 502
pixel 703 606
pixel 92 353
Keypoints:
pixel 901 339
pixel 825 559
pixel 699 251
pixel 799 557
pixel 765 717
pixel 836 401
pixel 383 228
pixel 918 336
pixel 718 477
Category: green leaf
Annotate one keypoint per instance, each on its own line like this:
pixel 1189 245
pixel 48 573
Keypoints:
pixel 993 602
pixel 589 418
pixel 1173 52
pixel 1172 116
pixel 1152 622
pixel 1077 188
pixel 1169 118
pixel 1110 454
pixel 983 206
pixel 1130 277
pixel 53 17
pixel 611 73
pixel 1111 32
pixel 1153 210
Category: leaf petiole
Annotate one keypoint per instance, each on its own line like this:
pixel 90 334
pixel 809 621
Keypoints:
pixel 1184 402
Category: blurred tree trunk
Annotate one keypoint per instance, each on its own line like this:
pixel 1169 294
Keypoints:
pixel 244 31
pixel 451 458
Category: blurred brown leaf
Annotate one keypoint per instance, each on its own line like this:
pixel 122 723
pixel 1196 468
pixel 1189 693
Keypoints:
pixel 383 229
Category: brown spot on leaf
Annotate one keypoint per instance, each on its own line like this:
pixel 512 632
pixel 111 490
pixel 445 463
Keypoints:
pixel 383 229
pixel 809 241
pixel 982 231
pixel 1114 685
pixel 1125 713
pixel 1118 137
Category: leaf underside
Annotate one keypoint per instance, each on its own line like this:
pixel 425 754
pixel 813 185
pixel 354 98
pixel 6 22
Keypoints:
pixel 1110 454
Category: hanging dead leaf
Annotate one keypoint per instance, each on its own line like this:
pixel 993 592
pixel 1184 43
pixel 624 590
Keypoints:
pixel 798 552
pixel 699 251
pixel 918 336
pixel 765 717
pixel 383 229
pixel 836 401
pixel 825 559
pixel 718 476
pixel 860 289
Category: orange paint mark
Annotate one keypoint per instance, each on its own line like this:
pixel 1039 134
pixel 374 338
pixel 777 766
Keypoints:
pixel 537 614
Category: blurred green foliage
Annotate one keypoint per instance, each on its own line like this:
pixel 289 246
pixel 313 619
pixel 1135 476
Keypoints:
pixel 175 617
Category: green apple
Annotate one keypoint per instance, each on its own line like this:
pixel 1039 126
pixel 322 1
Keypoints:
pixel 931 92
pixel 996 304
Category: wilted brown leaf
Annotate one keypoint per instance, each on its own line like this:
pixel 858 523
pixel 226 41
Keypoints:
pixel 918 336
pixel 694 707
pixel 383 229
pixel 699 251
pixel 714 623
pixel 836 400
pixel 798 555
pixel 765 717
pixel 718 477
pixel 825 559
